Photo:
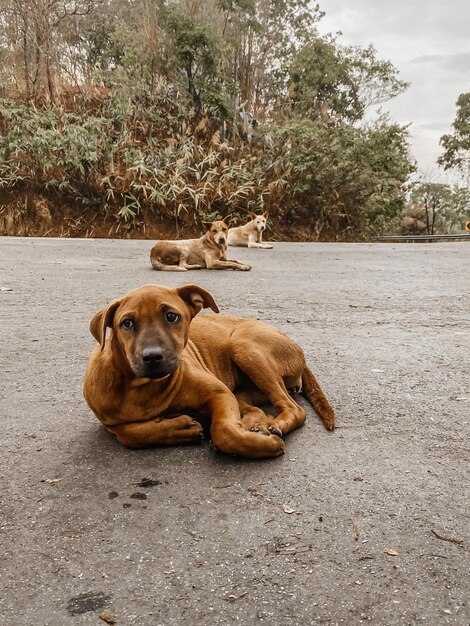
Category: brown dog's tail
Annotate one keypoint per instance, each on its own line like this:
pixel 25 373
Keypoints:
pixel 314 394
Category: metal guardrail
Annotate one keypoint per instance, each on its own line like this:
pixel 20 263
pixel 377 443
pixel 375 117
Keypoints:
pixel 424 238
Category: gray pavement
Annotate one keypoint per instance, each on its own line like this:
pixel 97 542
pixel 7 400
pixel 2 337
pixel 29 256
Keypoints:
pixel 186 536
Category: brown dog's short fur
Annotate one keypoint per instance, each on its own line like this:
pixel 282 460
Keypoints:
pixel 160 368
pixel 250 235
pixel 209 251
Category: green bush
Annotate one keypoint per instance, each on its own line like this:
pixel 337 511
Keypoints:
pixel 128 158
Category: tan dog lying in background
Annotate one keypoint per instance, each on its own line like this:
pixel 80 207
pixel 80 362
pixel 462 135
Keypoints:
pixel 250 235
pixel 209 251
pixel 160 368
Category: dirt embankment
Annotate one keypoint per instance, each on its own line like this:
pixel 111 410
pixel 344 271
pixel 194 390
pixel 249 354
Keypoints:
pixel 33 215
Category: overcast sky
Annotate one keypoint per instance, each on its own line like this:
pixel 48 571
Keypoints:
pixel 429 42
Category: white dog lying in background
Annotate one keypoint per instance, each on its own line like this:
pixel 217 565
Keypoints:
pixel 251 234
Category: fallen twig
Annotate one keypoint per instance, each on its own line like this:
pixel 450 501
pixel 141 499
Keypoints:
pixel 459 542
pixel 355 529
pixel 232 597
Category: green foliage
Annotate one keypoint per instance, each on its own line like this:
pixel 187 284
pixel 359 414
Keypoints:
pixel 339 181
pixel 197 50
pixel 44 147
pixel 347 181
pixel 334 82
pixel 457 145
pixel 319 82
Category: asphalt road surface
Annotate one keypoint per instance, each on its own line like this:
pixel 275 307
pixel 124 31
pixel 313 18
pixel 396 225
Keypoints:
pixel 369 524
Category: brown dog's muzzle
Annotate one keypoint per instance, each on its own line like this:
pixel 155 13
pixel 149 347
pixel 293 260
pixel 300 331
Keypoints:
pixel 154 357
pixel 154 363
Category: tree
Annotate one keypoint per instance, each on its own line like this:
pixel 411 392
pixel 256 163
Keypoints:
pixel 436 208
pixel 197 52
pixel 341 180
pixel 457 144
pixel 38 25
pixel 339 82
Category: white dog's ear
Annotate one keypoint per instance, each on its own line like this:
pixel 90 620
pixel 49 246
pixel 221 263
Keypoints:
pixel 253 216
pixel 265 215
pixel 197 298
pixel 102 321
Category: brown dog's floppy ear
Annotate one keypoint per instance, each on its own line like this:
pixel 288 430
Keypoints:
pixel 227 219
pixel 197 298
pixel 207 224
pixel 101 321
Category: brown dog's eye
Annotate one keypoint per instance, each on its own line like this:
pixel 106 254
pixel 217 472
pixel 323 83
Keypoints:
pixel 127 324
pixel 172 318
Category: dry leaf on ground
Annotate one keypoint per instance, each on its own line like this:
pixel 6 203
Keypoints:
pixel 287 509
pixel 391 552
pixel 106 617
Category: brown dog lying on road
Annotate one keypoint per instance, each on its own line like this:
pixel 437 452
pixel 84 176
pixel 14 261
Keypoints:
pixel 209 251
pixel 250 235
pixel 160 367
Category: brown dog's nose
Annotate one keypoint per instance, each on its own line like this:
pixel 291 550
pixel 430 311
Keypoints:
pixel 152 356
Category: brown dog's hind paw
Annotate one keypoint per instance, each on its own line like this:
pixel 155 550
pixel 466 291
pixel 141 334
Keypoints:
pixel 267 429
pixel 257 421
pixel 294 390
pixel 261 428
pixel 275 430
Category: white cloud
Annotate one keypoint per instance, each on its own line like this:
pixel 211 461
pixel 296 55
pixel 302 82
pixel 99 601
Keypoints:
pixel 428 42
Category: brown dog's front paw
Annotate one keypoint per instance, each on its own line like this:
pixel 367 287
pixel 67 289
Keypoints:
pixel 244 268
pixel 185 429
pixel 252 444
pixel 263 444
pixel 272 445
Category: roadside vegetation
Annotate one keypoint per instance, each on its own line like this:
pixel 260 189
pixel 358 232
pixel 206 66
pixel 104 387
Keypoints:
pixel 144 118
